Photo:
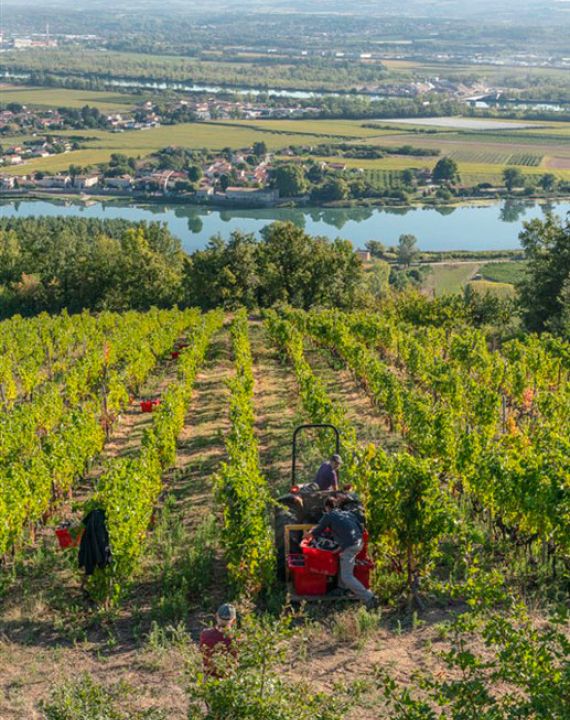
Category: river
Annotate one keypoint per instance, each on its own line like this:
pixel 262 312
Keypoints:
pixel 490 227
pixel 133 84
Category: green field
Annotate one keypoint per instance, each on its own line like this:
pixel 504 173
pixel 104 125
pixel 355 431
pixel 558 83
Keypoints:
pixel 383 179
pixel 503 272
pixel 41 97
pixel 333 128
pixel 501 290
pixel 450 278
pixel 480 158
pixel 100 144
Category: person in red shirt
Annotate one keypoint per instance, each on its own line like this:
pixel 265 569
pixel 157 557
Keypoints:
pixel 217 643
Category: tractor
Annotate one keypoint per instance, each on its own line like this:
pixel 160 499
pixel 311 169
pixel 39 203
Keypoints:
pixel 303 506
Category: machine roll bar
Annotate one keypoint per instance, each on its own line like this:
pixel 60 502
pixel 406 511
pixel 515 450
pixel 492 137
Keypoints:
pixel 325 426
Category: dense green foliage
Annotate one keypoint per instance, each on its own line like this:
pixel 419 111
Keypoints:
pixel 72 263
pixel 253 685
pixel 545 290
pixel 75 376
pixel 287 265
pixel 446 170
pixel 480 431
pixel 499 666
pixel 55 263
pixel 83 698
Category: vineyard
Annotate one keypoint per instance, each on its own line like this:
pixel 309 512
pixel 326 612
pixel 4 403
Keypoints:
pixel 458 445
pixel 496 157
pixel 383 179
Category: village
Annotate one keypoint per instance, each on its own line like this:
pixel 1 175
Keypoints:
pixel 239 176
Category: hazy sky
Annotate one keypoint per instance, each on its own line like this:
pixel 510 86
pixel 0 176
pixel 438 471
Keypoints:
pixel 527 13
pixel 440 8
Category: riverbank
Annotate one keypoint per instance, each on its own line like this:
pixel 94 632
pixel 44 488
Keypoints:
pixel 183 199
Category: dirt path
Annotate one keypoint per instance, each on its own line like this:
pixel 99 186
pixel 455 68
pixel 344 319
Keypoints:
pixel 201 450
pixel 277 409
pixel 127 435
pixel 341 385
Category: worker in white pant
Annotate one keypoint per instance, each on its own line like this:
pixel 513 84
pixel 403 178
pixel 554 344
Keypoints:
pixel 347 532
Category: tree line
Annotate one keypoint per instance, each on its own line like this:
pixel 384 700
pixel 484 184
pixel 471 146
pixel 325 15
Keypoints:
pixel 52 263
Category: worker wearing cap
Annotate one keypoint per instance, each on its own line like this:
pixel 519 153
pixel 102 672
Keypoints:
pixel 327 475
pixel 218 641
pixel 348 534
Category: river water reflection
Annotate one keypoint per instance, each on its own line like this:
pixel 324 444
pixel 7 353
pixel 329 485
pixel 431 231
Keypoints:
pixel 492 227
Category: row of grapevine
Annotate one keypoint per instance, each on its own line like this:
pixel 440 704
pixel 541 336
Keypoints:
pixel 450 413
pixel 317 404
pixel 130 487
pixel 45 445
pixel 408 511
pixel 33 351
pixel 241 490
pixel 383 179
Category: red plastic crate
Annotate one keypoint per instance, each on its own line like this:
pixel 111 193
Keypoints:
pixel 324 562
pixel 175 354
pixel 305 581
pixel 362 570
pixel 149 405
pixel 66 539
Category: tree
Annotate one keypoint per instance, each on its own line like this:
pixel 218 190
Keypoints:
pixel 544 295
pixel 331 190
pixel 359 188
pixel 375 248
pixel 407 249
pixel 377 279
pixel 290 180
pixel 285 266
pixel 446 170
pixel 194 173
pixel 77 263
pixel 512 177
pixel 183 186
pixel 304 271
pixel 74 171
pixel 259 149
pixel 548 182
pixel 10 257
pixel 408 177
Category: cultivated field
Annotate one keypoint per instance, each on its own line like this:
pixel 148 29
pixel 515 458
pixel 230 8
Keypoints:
pixel 449 278
pixel 460 123
pixel 41 97
pixel 481 156
pixel 175 539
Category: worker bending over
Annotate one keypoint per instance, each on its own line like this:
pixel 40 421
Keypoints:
pixel 347 533
pixel 327 476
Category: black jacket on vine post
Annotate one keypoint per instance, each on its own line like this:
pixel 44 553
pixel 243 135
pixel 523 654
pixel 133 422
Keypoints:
pixel 94 550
